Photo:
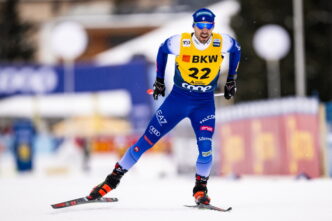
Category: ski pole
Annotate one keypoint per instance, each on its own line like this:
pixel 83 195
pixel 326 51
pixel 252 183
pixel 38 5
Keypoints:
pixel 150 92
pixel 218 94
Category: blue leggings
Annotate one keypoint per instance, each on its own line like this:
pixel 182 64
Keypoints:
pixel 198 107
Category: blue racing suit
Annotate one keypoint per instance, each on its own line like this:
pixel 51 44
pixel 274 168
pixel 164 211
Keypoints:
pixel 188 99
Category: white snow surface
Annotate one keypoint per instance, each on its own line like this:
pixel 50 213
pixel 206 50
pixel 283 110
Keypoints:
pixel 152 191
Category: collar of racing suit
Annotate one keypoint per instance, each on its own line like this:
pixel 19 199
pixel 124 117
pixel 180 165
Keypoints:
pixel 199 45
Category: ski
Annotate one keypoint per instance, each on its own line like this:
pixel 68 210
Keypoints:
pixel 83 200
pixel 209 207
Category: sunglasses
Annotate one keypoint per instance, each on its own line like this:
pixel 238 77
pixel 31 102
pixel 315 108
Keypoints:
pixel 202 25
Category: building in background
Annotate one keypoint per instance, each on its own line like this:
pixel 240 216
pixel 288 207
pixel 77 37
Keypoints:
pixel 107 22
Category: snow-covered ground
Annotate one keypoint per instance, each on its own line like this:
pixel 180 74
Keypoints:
pixel 151 191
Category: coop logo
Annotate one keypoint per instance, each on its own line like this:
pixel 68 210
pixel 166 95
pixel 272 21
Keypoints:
pixel 208 128
pixel 196 87
pixel 160 117
pixel 210 117
pixel 154 131
pixel 27 80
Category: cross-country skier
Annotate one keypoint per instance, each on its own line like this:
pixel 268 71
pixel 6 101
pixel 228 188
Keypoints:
pixel 198 60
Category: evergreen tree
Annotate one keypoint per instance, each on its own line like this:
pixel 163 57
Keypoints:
pixel 14 43
pixel 318 45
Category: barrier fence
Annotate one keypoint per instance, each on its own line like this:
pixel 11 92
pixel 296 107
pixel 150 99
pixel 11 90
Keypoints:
pixel 279 137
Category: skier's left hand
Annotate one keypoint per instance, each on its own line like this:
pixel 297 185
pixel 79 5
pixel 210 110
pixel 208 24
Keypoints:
pixel 230 89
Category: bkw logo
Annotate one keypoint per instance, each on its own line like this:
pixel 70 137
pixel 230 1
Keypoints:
pixel 205 59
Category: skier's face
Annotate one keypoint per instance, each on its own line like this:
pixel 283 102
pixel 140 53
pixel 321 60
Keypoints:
pixel 203 31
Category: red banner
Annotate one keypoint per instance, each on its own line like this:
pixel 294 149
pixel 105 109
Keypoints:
pixel 275 145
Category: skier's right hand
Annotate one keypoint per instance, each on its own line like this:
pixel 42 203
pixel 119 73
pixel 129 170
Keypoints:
pixel 158 88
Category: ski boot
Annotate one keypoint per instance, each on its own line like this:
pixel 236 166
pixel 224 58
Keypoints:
pixel 200 191
pixel 109 184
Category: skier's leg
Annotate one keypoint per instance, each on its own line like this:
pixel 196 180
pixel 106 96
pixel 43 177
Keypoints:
pixel 203 122
pixel 165 118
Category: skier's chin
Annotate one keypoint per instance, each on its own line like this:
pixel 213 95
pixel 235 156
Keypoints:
pixel 204 39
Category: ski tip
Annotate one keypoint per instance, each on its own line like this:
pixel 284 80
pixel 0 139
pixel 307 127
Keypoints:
pixel 58 205
pixel 209 207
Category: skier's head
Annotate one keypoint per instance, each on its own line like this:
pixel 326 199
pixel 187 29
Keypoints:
pixel 203 24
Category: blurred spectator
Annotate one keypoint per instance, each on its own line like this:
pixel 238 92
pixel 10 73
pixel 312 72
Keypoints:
pixel 23 145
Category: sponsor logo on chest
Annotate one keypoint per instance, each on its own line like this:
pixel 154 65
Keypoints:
pixel 196 87
pixel 186 42
pixel 216 43
pixel 200 58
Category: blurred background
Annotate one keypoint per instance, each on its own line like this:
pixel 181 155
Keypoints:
pixel 74 75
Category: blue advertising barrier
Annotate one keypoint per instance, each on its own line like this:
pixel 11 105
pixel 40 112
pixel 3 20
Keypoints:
pixel 24 135
pixel 34 79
